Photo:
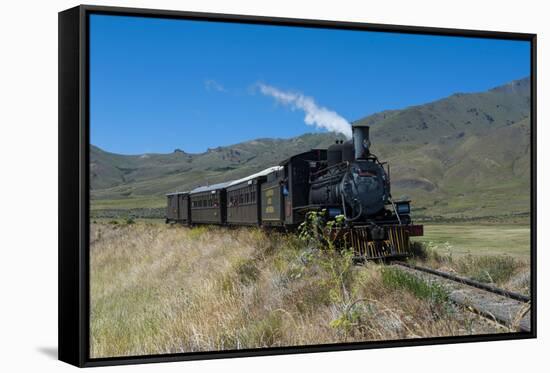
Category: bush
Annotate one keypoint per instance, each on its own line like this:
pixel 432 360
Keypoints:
pixel 426 253
pixel 351 319
pixel 418 250
pixel 247 271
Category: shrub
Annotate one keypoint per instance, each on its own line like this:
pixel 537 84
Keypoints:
pixel 418 250
pixel 336 261
pixel 350 319
pixel 427 253
pixel 247 271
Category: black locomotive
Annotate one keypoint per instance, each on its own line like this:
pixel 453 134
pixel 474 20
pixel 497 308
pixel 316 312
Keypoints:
pixel 345 179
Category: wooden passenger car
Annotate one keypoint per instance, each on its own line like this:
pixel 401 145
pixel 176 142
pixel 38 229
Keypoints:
pixel 272 199
pixel 244 204
pixel 177 209
pixel 208 204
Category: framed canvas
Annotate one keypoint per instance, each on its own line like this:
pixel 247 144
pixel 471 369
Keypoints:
pixel 235 186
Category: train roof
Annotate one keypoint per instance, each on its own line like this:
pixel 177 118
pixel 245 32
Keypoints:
pixel 265 172
pixel 176 193
pixel 208 188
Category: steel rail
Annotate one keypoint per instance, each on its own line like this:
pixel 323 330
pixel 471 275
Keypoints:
pixel 467 281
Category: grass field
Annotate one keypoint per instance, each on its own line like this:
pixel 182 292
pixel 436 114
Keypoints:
pixel 479 239
pixel 162 289
pixel 128 203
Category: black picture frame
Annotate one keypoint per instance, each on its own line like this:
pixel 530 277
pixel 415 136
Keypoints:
pixel 73 254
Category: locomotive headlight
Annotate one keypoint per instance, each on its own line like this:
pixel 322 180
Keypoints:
pixel 403 207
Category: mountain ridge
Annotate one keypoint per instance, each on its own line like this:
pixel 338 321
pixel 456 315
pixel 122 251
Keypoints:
pixel 465 154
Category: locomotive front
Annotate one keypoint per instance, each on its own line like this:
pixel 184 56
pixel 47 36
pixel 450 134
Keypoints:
pixel 355 184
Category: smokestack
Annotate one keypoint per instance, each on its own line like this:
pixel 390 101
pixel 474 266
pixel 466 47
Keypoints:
pixel 361 140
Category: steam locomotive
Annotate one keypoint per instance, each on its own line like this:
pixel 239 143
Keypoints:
pixel 345 179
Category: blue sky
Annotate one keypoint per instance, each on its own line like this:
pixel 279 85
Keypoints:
pixel 159 84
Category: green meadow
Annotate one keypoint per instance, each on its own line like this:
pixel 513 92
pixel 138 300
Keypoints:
pixel 478 238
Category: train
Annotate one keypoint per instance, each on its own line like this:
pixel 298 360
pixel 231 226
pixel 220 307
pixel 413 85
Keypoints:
pixel 345 179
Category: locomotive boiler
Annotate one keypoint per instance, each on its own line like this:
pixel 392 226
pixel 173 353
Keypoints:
pixel 353 178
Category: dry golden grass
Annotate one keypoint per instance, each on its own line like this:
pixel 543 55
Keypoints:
pixel 163 289
pixel 502 270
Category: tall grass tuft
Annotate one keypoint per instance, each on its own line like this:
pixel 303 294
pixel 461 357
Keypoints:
pixel 502 270
pixel 490 269
pixel 398 279
pixel 426 253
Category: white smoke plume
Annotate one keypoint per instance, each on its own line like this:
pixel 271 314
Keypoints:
pixel 316 115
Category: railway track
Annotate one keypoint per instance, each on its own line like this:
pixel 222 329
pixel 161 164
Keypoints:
pixel 508 308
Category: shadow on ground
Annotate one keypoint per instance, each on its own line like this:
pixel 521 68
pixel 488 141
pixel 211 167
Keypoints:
pixel 50 352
